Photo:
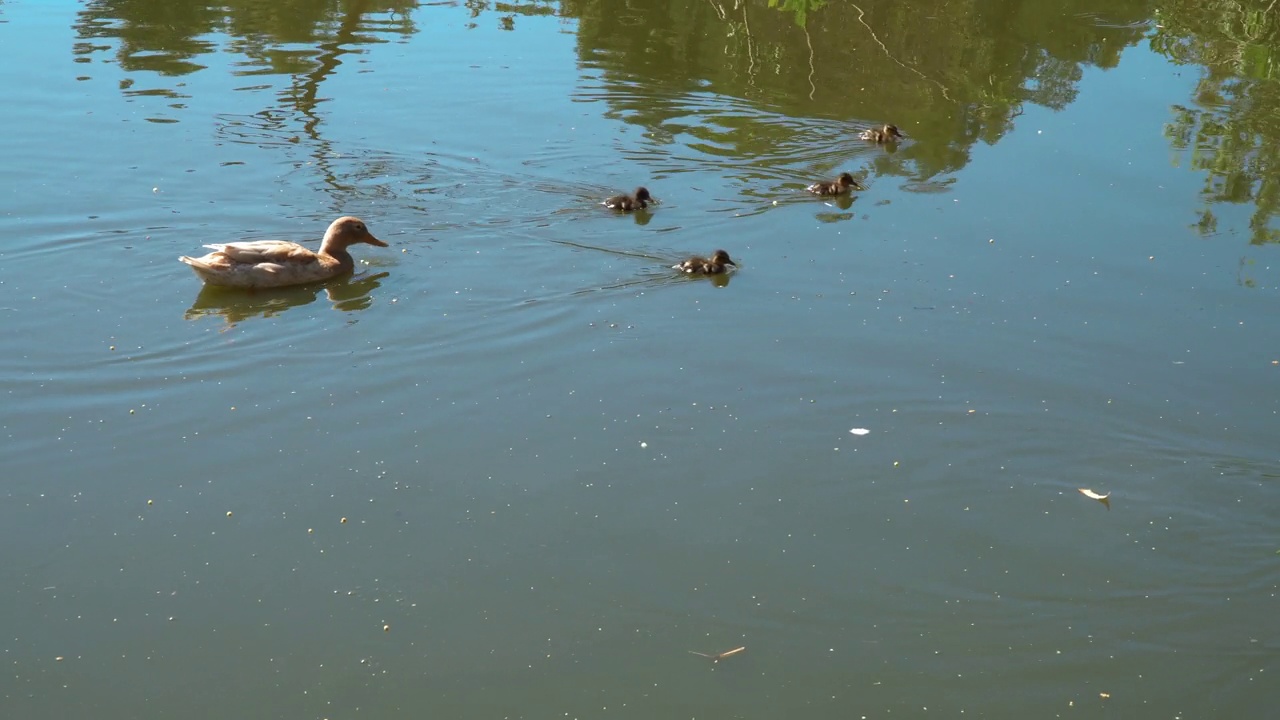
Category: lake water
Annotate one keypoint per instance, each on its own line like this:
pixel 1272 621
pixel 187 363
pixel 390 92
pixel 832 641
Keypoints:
pixel 518 468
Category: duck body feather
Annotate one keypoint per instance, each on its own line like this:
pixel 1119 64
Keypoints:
pixel 265 263
pixel 278 263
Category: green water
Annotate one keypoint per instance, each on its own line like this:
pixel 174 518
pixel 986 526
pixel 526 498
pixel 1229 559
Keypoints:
pixel 516 467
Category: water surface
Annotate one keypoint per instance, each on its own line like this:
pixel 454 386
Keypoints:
pixel 516 467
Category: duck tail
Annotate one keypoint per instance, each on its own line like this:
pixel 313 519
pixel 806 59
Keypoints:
pixel 202 269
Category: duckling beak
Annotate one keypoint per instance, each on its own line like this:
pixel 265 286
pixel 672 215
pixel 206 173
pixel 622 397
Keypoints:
pixel 369 238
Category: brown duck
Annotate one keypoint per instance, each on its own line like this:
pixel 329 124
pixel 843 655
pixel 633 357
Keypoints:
pixel 883 134
pixel 627 203
pixel 277 263
pixel 839 186
pixel 715 265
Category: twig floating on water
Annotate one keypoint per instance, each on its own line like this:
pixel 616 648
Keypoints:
pixel 717 657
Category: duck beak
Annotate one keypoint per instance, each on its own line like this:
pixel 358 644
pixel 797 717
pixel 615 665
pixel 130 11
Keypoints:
pixel 374 241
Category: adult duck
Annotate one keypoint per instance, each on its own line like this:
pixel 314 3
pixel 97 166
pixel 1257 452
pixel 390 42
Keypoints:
pixel 277 263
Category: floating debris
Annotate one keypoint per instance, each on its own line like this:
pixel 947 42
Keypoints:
pixel 1104 499
pixel 717 657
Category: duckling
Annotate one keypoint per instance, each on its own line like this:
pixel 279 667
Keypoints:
pixel 704 266
pixel 839 186
pixel 627 203
pixel 883 134
pixel 277 263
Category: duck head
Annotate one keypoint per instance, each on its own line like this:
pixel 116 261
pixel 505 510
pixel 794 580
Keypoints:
pixel 846 180
pixel 720 257
pixel 347 231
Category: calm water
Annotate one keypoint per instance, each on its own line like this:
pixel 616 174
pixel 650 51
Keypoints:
pixel 515 468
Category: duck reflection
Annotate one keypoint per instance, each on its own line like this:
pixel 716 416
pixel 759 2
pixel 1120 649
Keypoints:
pixel 837 209
pixel 833 217
pixel 235 305
pixel 719 280
pixel 844 202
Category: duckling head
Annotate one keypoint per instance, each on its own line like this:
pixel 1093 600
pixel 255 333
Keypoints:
pixel 721 257
pixel 846 180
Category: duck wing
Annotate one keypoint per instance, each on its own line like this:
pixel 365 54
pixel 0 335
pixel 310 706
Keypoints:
pixel 277 252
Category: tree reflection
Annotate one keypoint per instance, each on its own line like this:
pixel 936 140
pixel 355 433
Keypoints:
pixel 777 85
pixel 954 73
pixel 1232 132
pixel 799 9
pixel 169 38
pixel 305 40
